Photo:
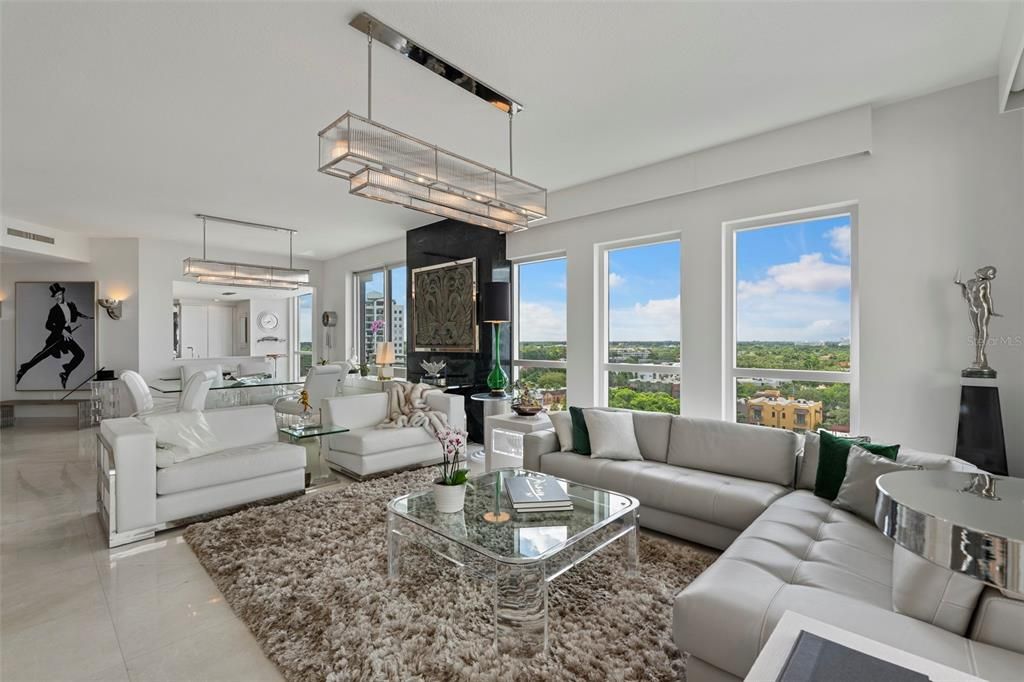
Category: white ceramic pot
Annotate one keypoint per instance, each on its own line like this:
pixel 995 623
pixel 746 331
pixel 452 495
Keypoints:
pixel 449 498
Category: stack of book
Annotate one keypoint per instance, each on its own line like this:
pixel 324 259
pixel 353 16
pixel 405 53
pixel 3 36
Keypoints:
pixel 535 494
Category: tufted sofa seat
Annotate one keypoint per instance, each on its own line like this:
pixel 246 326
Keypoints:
pixel 803 555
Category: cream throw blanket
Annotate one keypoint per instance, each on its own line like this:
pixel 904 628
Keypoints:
pixel 407 406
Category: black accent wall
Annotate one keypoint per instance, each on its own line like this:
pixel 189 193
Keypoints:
pixel 443 242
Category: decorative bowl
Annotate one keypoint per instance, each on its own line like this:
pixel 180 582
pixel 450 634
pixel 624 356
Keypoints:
pixel 527 410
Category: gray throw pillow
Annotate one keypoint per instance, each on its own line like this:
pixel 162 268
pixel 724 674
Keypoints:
pixel 858 492
pixel 612 435
pixel 562 421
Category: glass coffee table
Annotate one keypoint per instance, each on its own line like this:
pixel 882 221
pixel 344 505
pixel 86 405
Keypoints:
pixel 520 556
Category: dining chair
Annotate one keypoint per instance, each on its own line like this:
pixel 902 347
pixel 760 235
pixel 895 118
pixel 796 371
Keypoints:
pixel 346 367
pixel 321 382
pixel 254 367
pixel 142 398
pixel 191 369
pixel 194 391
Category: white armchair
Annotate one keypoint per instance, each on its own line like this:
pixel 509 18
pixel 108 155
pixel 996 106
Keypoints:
pixel 366 451
pixel 139 497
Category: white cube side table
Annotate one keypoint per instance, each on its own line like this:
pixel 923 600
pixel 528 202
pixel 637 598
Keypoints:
pixel 503 436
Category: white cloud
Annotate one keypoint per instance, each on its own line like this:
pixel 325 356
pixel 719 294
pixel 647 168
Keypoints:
pixel 615 280
pixel 809 274
pixel 840 239
pixel 541 322
pixel 654 320
pixel 794 316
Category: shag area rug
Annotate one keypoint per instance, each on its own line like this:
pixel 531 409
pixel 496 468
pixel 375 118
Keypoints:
pixel 309 579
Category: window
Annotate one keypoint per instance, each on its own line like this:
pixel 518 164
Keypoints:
pixel 792 332
pixel 303 348
pixel 539 336
pixel 641 327
pixel 380 313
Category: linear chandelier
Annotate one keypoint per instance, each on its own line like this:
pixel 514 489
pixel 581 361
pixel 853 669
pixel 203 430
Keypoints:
pixel 387 165
pixel 208 271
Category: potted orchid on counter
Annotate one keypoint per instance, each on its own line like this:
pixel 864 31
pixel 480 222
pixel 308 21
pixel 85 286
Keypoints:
pixel 450 486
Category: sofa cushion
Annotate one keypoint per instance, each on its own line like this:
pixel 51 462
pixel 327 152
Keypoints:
pixel 808 463
pixel 370 441
pixel 612 435
pixel 999 620
pixel 859 492
pixel 832 454
pixel 933 461
pixel 227 466
pixel 932 593
pixel 745 450
pixel 723 500
pixel 180 436
pixel 562 421
pixel 652 433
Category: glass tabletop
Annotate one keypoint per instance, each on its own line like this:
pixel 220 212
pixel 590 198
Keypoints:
pixel 525 537
pixel 312 430
pixel 174 385
pixel 490 396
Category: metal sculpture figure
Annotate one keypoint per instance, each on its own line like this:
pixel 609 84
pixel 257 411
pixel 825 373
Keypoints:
pixel 977 291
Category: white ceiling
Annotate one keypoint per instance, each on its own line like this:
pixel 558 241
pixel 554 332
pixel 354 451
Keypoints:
pixel 124 119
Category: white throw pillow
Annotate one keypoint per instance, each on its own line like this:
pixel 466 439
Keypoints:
pixel 562 421
pixel 181 436
pixel 612 435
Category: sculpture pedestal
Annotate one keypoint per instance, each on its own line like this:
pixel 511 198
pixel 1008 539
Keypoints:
pixel 979 435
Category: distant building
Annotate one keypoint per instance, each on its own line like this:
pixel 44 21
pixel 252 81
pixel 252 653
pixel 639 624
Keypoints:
pixel 374 309
pixel 769 408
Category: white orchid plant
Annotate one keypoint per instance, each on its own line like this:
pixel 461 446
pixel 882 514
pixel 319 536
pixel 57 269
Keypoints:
pixel 453 449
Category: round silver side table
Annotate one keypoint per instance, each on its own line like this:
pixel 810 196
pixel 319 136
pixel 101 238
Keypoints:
pixel 972 523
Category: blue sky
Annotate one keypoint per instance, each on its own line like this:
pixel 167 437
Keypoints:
pixel 793 281
pixel 306 317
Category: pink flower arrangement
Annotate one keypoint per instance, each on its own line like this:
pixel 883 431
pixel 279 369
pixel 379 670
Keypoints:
pixel 453 446
pixel 376 327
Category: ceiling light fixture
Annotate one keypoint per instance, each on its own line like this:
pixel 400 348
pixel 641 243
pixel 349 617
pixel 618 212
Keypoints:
pixel 388 165
pixel 207 271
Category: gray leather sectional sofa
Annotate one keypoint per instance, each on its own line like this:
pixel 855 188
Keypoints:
pixel 748 490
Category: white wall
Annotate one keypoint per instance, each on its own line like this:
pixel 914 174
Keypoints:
pixel 942 188
pixel 159 264
pixel 113 265
pixel 339 293
pixel 280 307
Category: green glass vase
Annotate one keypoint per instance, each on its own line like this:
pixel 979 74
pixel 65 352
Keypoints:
pixel 497 380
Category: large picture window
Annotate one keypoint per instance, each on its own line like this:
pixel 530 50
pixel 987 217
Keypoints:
pixel 303 345
pixel 381 312
pixel 641 327
pixel 540 331
pixel 792 328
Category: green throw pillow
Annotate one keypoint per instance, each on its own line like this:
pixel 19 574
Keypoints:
pixel 580 434
pixel 832 454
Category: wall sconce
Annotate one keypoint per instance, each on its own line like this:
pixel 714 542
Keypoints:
pixel 112 306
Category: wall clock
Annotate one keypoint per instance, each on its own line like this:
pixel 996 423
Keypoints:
pixel 267 321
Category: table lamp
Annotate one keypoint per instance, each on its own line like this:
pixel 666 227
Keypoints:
pixel 497 309
pixel 385 358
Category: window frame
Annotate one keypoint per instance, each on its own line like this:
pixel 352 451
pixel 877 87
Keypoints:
pixel 359 309
pixel 296 352
pixel 730 371
pixel 604 366
pixel 520 363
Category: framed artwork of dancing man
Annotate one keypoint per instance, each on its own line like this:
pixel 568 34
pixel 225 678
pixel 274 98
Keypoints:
pixel 55 334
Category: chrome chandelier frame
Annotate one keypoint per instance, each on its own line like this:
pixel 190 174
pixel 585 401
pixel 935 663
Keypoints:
pixel 388 165
pixel 207 271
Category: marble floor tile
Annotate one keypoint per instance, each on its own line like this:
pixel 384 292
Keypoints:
pixel 80 646
pixel 32 599
pixel 227 652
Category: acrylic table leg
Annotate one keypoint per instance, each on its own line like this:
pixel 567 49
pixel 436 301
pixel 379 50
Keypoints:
pixel 632 544
pixel 521 609
pixel 394 548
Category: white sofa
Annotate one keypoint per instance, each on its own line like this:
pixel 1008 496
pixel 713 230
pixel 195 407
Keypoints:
pixel 137 498
pixel 748 489
pixel 366 451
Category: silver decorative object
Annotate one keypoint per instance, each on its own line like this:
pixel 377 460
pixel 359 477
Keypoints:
pixel 433 368
pixel 977 291
pixel 969 522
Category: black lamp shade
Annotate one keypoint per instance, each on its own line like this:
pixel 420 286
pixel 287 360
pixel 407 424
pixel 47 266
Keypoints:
pixel 497 307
